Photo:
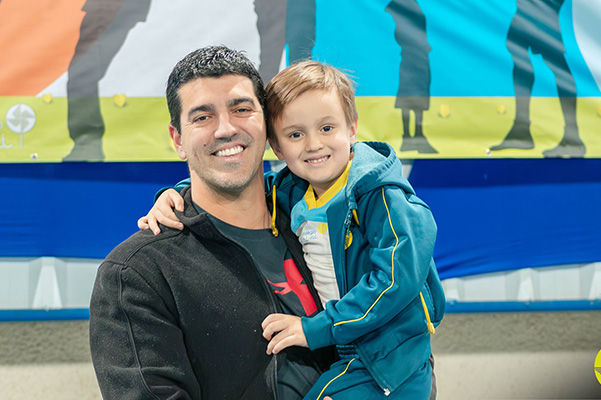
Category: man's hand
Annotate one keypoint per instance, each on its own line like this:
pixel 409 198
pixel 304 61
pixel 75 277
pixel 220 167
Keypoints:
pixel 283 331
pixel 162 212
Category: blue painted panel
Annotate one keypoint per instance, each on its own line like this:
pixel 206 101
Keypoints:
pixel 493 215
pixel 497 215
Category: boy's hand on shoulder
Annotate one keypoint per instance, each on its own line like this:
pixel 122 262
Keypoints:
pixel 283 331
pixel 162 212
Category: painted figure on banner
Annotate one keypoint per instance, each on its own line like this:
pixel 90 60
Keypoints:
pixel 535 27
pixel 103 31
pixel 281 23
pixel 271 25
pixel 300 30
pixel 414 72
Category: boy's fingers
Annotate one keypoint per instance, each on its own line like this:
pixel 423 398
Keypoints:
pixel 282 344
pixel 270 319
pixel 165 215
pixel 267 320
pixel 274 342
pixel 271 328
pixel 176 199
pixel 153 224
pixel 270 347
pixel 172 199
pixel 267 333
pixel 168 218
pixel 143 223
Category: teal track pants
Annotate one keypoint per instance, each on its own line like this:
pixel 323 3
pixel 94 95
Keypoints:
pixel 350 380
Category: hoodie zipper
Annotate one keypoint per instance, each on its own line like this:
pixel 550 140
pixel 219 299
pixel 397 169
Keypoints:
pixel 347 232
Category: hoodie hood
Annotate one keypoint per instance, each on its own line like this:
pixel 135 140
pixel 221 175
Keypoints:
pixel 375 164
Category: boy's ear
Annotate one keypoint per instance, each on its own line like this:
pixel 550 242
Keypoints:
pixel 276 149
pixel 354 131
pixel 177 142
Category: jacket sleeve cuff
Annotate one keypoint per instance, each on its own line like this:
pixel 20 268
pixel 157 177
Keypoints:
pixel 318 331
pixel 178 186
pixel 182 184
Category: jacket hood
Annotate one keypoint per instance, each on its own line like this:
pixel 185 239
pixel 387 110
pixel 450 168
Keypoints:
pixel 375 164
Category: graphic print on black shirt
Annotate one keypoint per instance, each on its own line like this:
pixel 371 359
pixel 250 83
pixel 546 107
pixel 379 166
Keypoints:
pixel 294 283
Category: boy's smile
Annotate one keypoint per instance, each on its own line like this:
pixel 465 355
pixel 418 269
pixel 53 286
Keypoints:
pixel 314 138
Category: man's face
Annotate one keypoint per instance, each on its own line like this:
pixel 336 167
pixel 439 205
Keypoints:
pixel 222 132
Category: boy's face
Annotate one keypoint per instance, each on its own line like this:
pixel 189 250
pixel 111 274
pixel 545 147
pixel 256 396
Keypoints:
pixel 314 138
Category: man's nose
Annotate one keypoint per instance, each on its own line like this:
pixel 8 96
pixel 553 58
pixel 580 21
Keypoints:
pixel 225 127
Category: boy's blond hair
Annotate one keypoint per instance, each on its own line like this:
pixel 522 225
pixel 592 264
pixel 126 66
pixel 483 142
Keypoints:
pixel 302 77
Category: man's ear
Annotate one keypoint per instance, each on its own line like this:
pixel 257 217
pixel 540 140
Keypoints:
pixel 276 149
pixel 177 142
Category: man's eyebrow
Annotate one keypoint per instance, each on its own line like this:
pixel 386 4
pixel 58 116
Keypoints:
pixel 240 100
pixel 201 108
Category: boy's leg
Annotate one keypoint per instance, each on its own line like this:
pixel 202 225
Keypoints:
pixel 349 380
pixel 346 379
pixel 418 386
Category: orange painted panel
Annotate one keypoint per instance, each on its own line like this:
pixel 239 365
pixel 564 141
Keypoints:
pixel 37 41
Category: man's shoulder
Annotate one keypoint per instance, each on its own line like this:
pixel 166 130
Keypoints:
pixel 144 244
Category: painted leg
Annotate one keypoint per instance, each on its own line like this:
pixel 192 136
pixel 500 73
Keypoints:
pixel 407 144
pixel 519 136
pixel 421 143
pixel 571 145
pixel 271 24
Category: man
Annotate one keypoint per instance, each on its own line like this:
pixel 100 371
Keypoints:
pixel 178 315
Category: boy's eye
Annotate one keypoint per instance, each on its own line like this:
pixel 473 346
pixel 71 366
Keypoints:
pixel 295 135
pixel 327 128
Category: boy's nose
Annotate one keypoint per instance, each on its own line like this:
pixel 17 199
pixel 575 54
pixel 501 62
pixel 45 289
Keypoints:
pixel 313 143
pixel 225 128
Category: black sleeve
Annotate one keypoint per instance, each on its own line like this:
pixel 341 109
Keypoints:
pixel 137 348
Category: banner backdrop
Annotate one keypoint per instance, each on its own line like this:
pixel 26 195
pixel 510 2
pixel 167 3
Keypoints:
pixel 84 80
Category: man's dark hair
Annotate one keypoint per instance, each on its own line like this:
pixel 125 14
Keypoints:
pixel 209 62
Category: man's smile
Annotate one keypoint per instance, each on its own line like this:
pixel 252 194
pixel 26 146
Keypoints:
pixel 230 151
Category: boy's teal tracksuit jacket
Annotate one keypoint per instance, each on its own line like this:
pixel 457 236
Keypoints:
pixel 382 237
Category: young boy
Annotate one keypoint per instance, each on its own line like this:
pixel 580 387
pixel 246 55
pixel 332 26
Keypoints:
pixel 368 241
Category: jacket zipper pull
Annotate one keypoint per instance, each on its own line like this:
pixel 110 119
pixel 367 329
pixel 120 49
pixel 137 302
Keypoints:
pixel 274 230
pixel 429 324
